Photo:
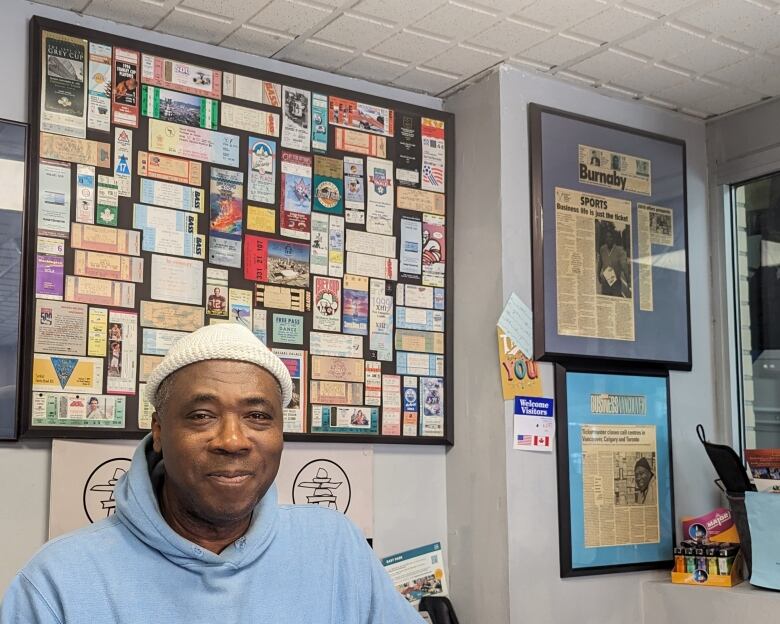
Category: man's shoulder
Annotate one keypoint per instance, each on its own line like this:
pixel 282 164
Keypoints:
pixel 75 546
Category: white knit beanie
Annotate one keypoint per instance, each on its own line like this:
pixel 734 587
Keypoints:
pixel 222 341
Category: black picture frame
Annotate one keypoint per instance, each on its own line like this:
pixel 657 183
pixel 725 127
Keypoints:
pixel 577 557
pixel 13 159
pixel 37 26
pixel 660 326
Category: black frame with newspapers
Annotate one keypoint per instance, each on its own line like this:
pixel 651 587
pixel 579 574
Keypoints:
pixel 662 334
pixel 569 456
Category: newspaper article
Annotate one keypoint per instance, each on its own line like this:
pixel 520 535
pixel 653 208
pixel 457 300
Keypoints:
pixel 623 456
pixel 655 227
pixel 593 260
pixel 614 170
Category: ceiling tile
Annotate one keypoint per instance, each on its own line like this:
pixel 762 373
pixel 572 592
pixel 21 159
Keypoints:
pixel 354 31
pixel 257 41
pixel 463 60
pixel 557 50
pixel 650 79
pixel 227 8
pixel 502 6
pixel 428 82
pixel 290 16
pixel 617 90
pixel 728 100
pixel 411 47
pixel 137 13
pixel 665 7
pixel 611 24
pixel 315 54
pixel 456 21
pixel 706 57
pixel 562 13
pixel 744 22
pixel 663 42
pixel 399 11
pixel 689 92
pixel 509 36
pixel 72 5
pixel 609 65
pixel 195 26
pixel 757 73
pixel 524 63
pixel 575 78
pixel 374 68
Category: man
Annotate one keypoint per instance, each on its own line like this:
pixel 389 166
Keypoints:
pixel 216 303
pixel 613 268
pixel 197 535
pixel 643 478
pixel 93 408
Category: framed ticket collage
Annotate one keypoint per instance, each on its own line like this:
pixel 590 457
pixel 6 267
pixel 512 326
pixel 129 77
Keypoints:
pixel 168 191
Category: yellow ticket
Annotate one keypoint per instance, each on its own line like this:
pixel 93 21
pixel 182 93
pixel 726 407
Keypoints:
pixel 53 373
pixel 82 151
pixel 261 219
pixel 171 316
pixel 97 331
pixel 336 393
pixel 419 201
pixel 337 368
pixel 420 341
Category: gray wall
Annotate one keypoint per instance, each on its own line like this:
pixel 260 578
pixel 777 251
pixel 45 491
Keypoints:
pixel 409 496
pixel 494 260
pixel 476 466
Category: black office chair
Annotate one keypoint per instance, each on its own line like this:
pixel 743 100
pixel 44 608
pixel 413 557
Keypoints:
pixel 440 609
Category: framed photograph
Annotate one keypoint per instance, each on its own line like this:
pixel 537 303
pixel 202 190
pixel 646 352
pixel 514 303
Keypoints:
pixel 615 487
pixel 610 242
pixel 13 148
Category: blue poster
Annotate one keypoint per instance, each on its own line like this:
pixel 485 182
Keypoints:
pixel 619 469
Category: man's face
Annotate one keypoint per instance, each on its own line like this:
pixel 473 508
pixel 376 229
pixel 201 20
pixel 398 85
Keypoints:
pixel 221 438
pixel 610 238
pixel 642 477
pixel 216 292
pixel 93 405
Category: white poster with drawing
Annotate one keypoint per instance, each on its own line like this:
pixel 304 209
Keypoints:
pixel 339 477
pixel 83 477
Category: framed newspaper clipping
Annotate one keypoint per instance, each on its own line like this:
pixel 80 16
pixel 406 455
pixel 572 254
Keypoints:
pixel 610 242
pixel 615 487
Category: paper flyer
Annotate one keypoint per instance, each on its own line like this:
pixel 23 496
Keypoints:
pixel 417 573
pixel 534 424
pixel 519 375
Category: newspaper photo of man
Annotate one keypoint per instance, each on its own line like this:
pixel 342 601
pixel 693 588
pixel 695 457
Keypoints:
pixel 644 480
pixel 612 259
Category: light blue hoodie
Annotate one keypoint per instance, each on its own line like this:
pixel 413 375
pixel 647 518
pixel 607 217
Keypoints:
pixel 295 565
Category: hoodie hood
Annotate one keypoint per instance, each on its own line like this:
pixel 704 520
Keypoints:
pixel 138 509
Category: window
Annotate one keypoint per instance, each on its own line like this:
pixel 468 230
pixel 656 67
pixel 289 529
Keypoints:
pixel 756 227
